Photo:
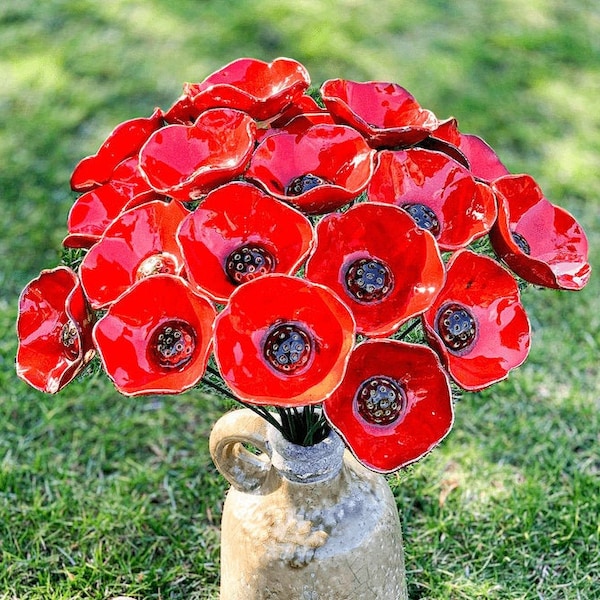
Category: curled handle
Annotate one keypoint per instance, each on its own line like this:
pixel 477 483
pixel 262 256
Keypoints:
pixel 245 470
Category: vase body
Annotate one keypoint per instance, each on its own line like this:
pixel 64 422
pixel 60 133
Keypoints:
pixel 303 523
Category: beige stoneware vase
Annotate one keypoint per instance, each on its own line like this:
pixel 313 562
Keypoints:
pixel 303 523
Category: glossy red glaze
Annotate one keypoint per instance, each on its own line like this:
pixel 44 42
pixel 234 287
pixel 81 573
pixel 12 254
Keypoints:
pixel 298 124
pixel 263 90
pixel 124 336
pixel 502 338
pixel 231 216
pixel 187 161
pixel 464 209
pixel 336 153
pixel 95 210
pixel 385 233
pixel 426 416
pixel 385 113
pixel 54 330
pixel 484 162
pixel 558 246
pixel 124 141
pixel 254 310
pixel 126 251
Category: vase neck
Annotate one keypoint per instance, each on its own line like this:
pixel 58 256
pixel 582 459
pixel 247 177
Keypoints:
pixel 306 464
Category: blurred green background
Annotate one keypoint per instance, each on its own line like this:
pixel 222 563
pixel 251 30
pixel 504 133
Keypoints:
pixel 101 495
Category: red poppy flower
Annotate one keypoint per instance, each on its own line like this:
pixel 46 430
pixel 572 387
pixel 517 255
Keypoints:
pixel 263 90
pixel 283 341
pixel 540 242
pixel 54 328
pixel 239 233
pixel 439 193
pixel 379 262
pixel 385 113
pixel 156 338
pixel 124 141
pixel 317 170
pixel 140 243
pixel 96 209
pixel 187 161
pixel 477 322
pixel 394 404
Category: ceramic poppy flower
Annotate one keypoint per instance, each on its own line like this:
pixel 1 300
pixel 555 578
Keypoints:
pixel 318 170
pixel 477 323
pixel 96 209
pixel 394 404
pixel 124 141
pixel 138 244
pixel 283 341
pixel 384 113
pixel 156 338
pixel 263 90
pixel 54 327
pixel 439 193
pixel 384 267
pixel 239 233
pixel 540 242
pixel 187 161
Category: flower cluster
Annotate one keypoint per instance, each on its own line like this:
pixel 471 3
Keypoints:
pixel 340 248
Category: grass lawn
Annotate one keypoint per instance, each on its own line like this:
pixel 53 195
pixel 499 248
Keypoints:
pixel 102 495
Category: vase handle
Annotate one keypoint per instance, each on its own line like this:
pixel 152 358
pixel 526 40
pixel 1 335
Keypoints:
pixel 245 470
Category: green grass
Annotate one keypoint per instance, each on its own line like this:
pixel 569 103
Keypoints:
pixel 102 495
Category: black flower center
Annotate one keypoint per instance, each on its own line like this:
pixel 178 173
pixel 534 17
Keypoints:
pixel 248 262
pixel 288 348
pixel 380 400
pixel 521 242
pixel 155 265
pixel 424 217
pixel 456 326
pixel 172 344
pixel 69 338
pixel 368 279
pixel 304 183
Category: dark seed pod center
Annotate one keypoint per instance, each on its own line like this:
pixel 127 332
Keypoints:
pixel 424 217
pixel 368 280
pixel 304 183
pixel 288 348
pixel 248 262
pixel 172 344
pixel 456 326
pixel 380 400
pixel 521 242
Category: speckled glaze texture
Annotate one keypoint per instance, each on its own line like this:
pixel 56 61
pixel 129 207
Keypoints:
pixel 305 523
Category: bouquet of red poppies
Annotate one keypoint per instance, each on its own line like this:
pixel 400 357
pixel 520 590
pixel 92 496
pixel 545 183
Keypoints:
pixel 336 257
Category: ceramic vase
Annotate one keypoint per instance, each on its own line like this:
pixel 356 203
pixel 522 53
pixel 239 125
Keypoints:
pixel 303 522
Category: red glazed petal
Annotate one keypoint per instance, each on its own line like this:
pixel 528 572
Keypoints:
pixel 95 210
pixel 487 331
pixel 457 209
pixel 384 267
pixel 54 331
pixel 239 233
pixel 336 159
pixel 484 162
pixel 301 327
pixel 124 141
pixel 188 161
pixel 540 242
pixel 393 406
pixel 156 338
pixel 385 113
pixel 263 90
pixel 140 243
